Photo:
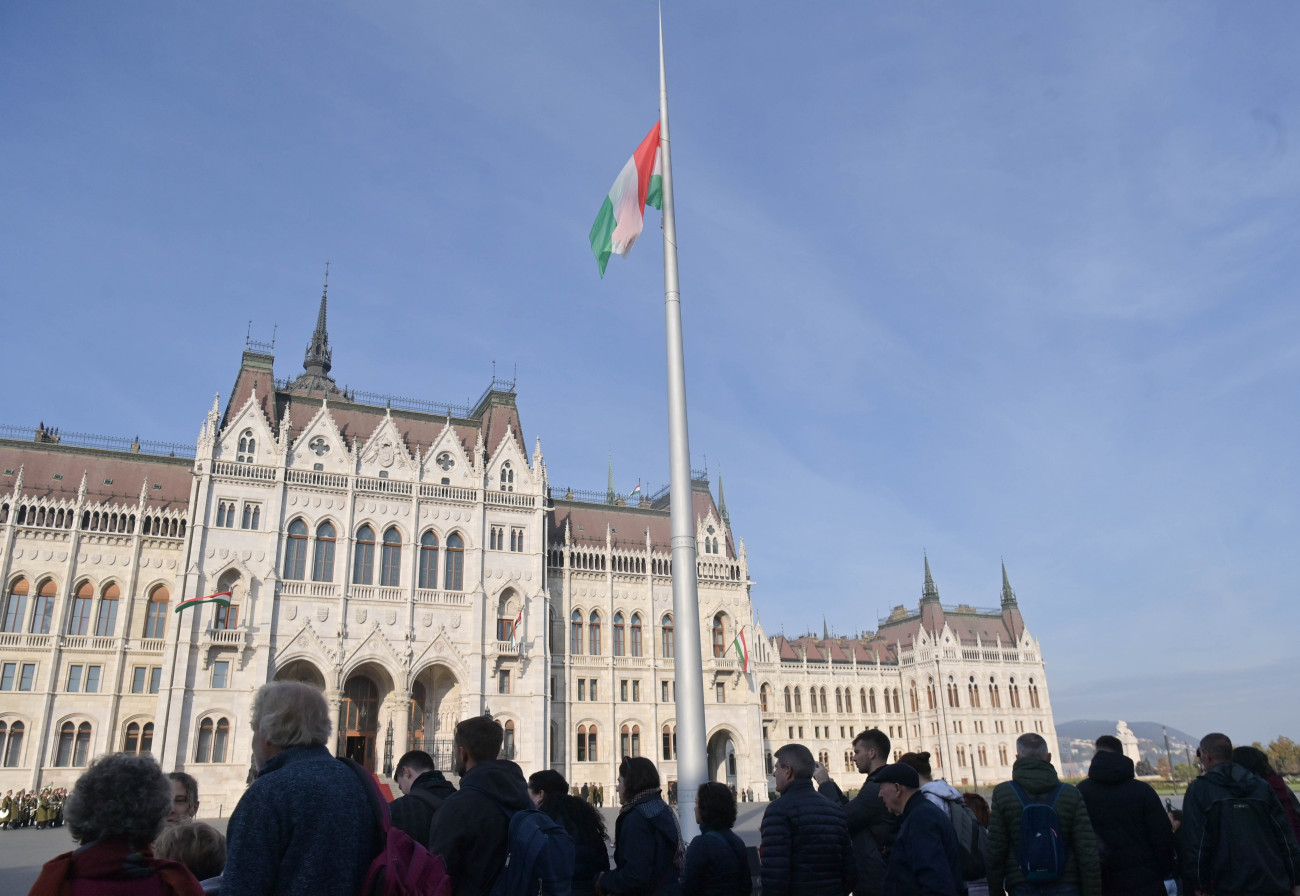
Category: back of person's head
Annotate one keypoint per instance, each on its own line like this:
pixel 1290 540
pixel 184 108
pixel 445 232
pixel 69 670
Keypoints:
pixel 1253 760
pixel 874 739
pixel 639 774
pixel 198 846
pixel 417 761
pixel 120 796
pixel 1215 748
pixel 549 782
pixel 918 761
pixel 979 806
pixel 481 737
pixel 1032 746
pixel 717 804
pixel 798 759
pixel 291 714
pixel 1108 743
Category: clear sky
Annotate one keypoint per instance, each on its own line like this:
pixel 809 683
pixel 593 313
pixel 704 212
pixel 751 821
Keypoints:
pixel 988 280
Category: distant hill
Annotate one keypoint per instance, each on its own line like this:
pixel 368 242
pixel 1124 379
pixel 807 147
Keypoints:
pixel 1076 739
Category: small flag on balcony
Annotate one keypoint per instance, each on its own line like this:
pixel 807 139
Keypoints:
pixel 221 597
pixel 742 650
pixel 514 630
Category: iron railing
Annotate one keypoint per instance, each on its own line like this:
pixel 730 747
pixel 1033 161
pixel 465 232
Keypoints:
pixel 50 436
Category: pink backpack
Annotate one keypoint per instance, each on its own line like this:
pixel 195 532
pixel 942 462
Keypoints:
pixel 403 867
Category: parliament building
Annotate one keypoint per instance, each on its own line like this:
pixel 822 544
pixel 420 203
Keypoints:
pixel 412 560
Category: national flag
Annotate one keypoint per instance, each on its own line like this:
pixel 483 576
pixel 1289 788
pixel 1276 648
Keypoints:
pixel 742 650
pixel 514 630
pixel 621 214
pixel 221 597
pixel 637 490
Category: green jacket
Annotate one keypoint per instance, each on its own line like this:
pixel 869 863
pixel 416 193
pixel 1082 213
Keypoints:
pixel 1038 778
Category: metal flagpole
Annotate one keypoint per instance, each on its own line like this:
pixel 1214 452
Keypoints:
pixel 688 664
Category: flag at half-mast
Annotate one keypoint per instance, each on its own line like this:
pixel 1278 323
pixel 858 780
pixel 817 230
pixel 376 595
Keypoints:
pixel 221 597
pixel 514 630
pixel 742 649
pixel 622 213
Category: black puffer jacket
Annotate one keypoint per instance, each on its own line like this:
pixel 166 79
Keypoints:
pixel 1134 837
pixel 716 865
pixel 872 827
pixel 806 849
pixel 470 829
pixel 413 813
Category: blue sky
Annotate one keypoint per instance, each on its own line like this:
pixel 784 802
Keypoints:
pixel 989 280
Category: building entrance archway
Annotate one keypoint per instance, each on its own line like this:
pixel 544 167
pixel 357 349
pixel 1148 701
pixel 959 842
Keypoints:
pixel 435 710
pixel 364 694
pixel 722 758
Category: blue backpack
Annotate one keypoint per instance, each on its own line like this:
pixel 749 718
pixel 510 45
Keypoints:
pixel 539 856
pixel 1042 850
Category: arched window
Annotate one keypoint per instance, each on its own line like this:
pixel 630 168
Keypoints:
pixel 870 700
pixel 74 745
pixel 212 741
pixel 789 707
pixel 798 701
pixel 16 606
pixel 666 632
pixel 44 610
pixel 454 573
pixel 839 702
pixel 593 633
pixel 636 740
pixel 11 749
pixel 823 702
pixel 508 740
pixel 204 751
pixel 363 559
pixel 1033 695
pixel 719 645
pixel 247 447
pixel 636 634
pixel 79 618
pixel 295 551
pixel 670 742
pixel 763 694
pixel 591 744
pixel 390 567
pixel 106 619
pixel 507 478
pixel 911 697
pixel 619 630
pixel 973 693
pixel 812 699
pixel 133 742
pixel 575 633
pixel 582 743
pixel 931 698
pixel 897 706
pixel 624 742
pixel 322 561
pixel 155 617
pixel 428 560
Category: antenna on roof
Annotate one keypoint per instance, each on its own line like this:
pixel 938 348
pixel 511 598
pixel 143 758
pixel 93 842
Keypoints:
pixel 274 329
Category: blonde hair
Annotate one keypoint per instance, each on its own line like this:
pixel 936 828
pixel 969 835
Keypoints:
pixel 198 846
pixel 291 714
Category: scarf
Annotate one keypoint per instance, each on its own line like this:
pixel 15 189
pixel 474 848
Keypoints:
pixel 650 804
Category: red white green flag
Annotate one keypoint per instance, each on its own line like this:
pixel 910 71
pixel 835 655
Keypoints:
pixel 742 650
pixel 621 214
pixel 514 630
pixel 635 491
pixel 221 597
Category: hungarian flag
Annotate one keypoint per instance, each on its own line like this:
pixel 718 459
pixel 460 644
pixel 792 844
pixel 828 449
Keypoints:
pixel 620 219
pixel 635 491
pixel 514 630
pixel 221 597
pixel 742 650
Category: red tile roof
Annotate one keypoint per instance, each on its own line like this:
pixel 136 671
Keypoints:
pixel 41 462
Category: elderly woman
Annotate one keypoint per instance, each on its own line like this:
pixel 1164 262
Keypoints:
pixel 116 810
pixel 648 851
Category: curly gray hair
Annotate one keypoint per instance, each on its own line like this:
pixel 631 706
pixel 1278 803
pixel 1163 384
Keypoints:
pixel 291 714
pixel 121 796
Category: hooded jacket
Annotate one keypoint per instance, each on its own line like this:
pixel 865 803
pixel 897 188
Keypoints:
pixel 806 849
pixel 1253 852
pixel 939 792
pixel 1038 778
pixel 647 842
pixel 470 828
pixel 413 813
pixel 1134 837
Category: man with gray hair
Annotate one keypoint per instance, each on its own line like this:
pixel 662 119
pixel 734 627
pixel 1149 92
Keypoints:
pixel 304 827
pixel 1057 816
pixel 805 848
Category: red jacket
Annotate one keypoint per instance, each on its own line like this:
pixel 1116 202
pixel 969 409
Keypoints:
pixel 113 868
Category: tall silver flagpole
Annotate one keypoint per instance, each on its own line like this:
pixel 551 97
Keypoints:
pixel 689 664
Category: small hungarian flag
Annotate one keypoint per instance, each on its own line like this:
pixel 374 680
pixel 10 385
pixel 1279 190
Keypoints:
pixel 619 222
pixel 221 597
pixel 637 490
pixel 742 650
pixel 514 630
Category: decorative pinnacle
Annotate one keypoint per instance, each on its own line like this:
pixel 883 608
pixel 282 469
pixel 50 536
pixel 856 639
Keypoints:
pixel 319 357
pixel 929 590
pixel 1008 596
pixel 722 499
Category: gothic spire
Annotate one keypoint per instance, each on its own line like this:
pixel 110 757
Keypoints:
pixel 929 591
pixel 317 360
pixel 609 490
pixel 722 500
pixel 1008 596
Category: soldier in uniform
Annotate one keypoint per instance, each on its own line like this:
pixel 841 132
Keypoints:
pixel 7 809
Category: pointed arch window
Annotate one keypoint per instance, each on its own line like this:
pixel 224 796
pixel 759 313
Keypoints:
pixel 508 741
pixel 666 636
pixel 106 618
pixel 295 551
pixel 823 701
pixel 719 645
pixel 138 738
pixel 839 702
pixel 593 633
pixel 789 707
pixel 871 696
pixel 636 634
pixel 454 573
pixel 11 748
pixel 322 561
pixel 155 618
pixel 798 700
pixel 507 477
pixel 390 568
pixel 247 447
pixel 428 560
pixel 620 630
pixel 764 693
pixel 16 606
pixel 363 557
pixel 74 745
pixel 575 633
pixel 43 612
pixel 79 618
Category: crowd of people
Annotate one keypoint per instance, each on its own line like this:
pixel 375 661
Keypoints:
pixel 27 808
pixel 304 826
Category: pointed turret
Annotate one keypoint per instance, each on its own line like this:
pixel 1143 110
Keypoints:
pixel 722 501
pixel 318 359
pixel 932 616
pixel 1008 596
pixel 1010 609
pixel 609 490
pixel 929 591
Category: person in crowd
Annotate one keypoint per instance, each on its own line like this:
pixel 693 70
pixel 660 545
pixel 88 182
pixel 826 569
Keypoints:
pixel 304 827
pixel 1037 779
pixel 199 847
pixel 424 789
pixel 7 813
pixel 117 808
pixel 925 857
pixel 806 849
pixel 549 792
pixel 1135 841
pixel 471 828
pixel 936 790
pixel 648 851
pixel 716 862
pixel 871 825
pixel 980 807
pixel 1253 849
pixel 185 798
pixel 586 792
pixel 1255 761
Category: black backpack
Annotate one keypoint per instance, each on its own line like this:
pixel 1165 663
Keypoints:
pixel 971 837
pixel 539 854
pixel 1252 831
pixel 1042 850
